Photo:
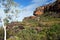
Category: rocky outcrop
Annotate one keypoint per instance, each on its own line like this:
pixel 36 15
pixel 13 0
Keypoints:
pixel 30 17
pixel 39 11
pixel 54 7
pixel 12 24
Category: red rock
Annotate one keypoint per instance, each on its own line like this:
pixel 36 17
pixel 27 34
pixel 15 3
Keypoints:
pixel 55 7
pixel 39 11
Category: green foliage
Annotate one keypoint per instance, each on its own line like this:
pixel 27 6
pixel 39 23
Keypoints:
pixel 46 28
pixel 1 33
pixel 52 33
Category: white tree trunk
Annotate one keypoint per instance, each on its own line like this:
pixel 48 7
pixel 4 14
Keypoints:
pixel 4 29
pixel 5 33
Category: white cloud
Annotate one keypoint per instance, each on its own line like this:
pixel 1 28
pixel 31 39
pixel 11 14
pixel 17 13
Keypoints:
pixel 39 1
pixel 43 1
pixel 28 10
pixel 51 1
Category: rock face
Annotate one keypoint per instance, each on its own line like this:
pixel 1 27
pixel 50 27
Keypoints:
pixel 39 11
pixel 12 24
pixel 55 7
pixel 31 17
pixel 50 8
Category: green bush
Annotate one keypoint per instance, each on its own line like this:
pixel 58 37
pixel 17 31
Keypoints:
pixel 1 33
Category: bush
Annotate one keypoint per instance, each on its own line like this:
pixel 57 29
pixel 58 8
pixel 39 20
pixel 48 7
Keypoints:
pixel 1 33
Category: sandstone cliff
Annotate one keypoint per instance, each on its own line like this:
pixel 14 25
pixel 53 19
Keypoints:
pixel 54 7
pixel 51 9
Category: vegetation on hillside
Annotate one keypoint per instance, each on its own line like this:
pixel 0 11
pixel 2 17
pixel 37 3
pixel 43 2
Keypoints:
pixel 30 33
pixel 40 28
pixel 43 27
pixel 1 33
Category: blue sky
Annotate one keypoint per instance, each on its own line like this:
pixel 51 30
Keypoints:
pixel 24 2
pixel 27 7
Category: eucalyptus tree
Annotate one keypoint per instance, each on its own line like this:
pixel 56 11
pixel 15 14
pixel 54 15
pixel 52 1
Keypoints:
pixel 10 10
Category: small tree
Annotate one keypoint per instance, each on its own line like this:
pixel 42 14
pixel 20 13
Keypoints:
pixel 10 10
